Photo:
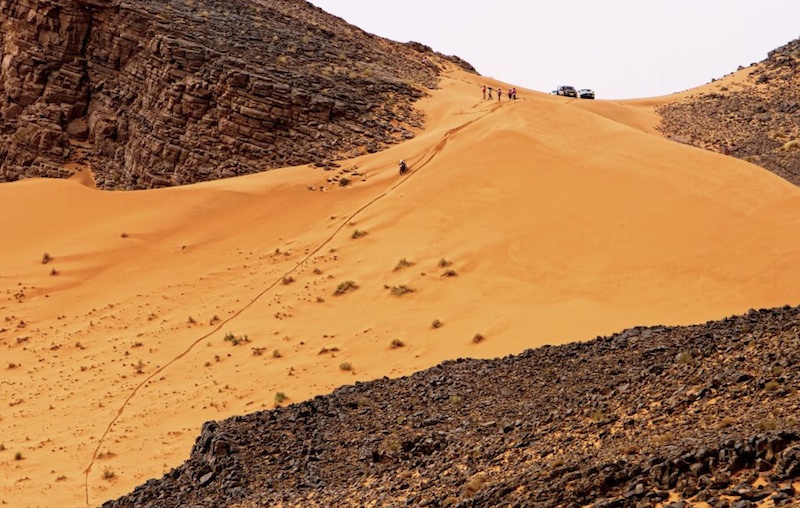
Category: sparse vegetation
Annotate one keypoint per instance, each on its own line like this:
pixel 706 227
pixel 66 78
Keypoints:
pixel 191 320
pixel 358 234
pixel 276 354
pixel 53 272
pixel 345 287
pixel 344 181
pixel 280 397
pixel 450 273
pixel 287 280
pixel 46 258
pixel 401 290
pixel 139 367
pixel 108 474
pixel 444 263
pixel 18 456
pixel 12 365
pixel 436 324
pixel 403 263
pixel 346 366
pixel 396 343
pixel 236 340
pixel 478 338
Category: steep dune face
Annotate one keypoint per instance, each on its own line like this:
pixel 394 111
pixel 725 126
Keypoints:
pixel 520 224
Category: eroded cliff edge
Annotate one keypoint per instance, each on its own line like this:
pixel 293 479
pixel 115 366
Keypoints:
pixel 153 94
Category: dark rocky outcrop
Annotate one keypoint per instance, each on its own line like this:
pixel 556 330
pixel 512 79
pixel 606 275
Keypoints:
pixel 172 92
pixel 757 123
pixel 699 413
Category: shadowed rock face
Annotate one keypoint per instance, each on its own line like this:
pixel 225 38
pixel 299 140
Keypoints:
pixel 629 420
pixel 178 91
pixel 758 123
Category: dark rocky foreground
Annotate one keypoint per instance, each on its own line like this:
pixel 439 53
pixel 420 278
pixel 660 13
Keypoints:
pixel 152 94
pixel 647 416
pixel 757 123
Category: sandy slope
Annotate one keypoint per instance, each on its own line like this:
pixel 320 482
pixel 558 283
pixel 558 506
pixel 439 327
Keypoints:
pixel 562 219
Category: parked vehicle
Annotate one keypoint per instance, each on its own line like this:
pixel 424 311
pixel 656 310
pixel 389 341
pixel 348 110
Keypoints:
pixel 585 93
pixel 566 91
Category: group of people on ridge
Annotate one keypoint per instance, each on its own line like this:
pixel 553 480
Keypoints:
pixel 512 93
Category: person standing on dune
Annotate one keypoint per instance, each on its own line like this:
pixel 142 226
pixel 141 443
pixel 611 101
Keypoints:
pixel 499 93
pixel 490 93
pixel 484 92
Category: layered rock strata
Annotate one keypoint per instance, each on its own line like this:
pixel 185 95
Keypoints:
pixel 154 94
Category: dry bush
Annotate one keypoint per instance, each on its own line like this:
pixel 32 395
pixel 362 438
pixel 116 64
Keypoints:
pixel 403 263
pixel 436 324
pixel 401 290
pixel 478 338
pixel 396 343
pixel 346 366
pixel 345 287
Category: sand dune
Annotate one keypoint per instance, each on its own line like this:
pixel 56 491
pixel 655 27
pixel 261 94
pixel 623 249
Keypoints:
pixel 539 221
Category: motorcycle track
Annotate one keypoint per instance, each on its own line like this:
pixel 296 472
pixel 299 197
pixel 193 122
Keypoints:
pixel 422 160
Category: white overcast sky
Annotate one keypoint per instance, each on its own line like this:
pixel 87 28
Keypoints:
pixel 619 48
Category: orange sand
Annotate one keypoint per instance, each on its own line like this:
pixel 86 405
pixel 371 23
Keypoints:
pixel 563 220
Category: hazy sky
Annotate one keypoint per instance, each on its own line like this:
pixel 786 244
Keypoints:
pixel 619 48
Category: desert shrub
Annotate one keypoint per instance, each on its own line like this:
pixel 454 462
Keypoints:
pixel 478 338
pixel 287 280
pixel 108 474
pixel 358 234
pixel 46 258
pixel 276 354
pixel 403 263
pixel 18 456
pixel 450 273
pixel 436 324
pixel 344 181
pixel 396 343
pixel 345 287
pixel 444 263
pixel 771 386
pixel 280 397
pixel 235 340
pixel 346 366
pixel 401 290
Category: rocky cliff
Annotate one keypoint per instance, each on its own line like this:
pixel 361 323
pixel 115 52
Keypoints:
pixel 647 417
pixel 178 91
pixel 757 122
